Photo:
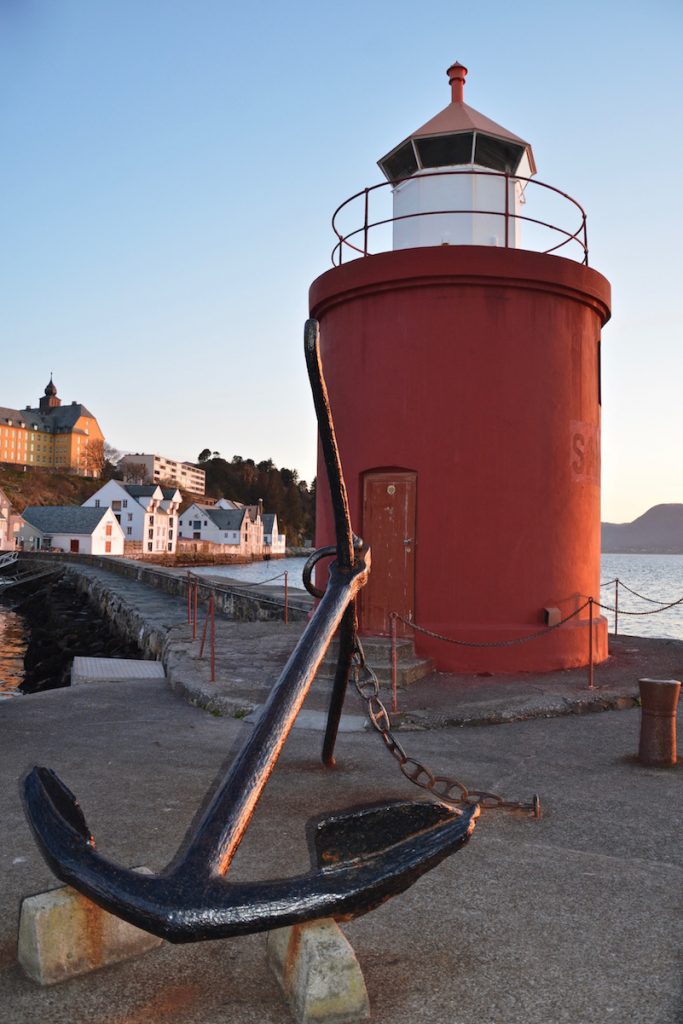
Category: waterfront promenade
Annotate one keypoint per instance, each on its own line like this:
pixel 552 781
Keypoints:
pixel 573 918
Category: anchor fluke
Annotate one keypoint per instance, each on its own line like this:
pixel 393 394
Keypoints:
pixel 365 857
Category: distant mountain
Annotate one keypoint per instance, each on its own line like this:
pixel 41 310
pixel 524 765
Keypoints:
pixel 657 531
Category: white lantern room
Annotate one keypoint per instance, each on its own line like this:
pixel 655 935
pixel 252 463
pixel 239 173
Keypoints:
pixel 459 179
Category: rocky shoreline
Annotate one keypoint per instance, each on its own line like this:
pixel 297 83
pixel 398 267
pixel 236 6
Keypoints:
pixel 62 624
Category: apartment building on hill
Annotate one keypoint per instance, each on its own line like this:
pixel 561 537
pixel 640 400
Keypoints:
pixel 154 469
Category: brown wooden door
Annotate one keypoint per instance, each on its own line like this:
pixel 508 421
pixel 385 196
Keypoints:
pixel 75 546
pixel 389 529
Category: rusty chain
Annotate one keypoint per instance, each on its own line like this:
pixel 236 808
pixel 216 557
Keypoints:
pixel 641 597
pixel 622 611
pixel 490 643
pixel 443 787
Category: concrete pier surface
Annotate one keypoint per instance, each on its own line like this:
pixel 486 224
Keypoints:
pixel 574 918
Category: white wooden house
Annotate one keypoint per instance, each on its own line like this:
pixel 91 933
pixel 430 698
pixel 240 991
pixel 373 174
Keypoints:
pixel 238 530
pixel 273 542
pixel 72 528
pixel 147 514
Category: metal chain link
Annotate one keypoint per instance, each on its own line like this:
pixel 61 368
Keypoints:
pixel 490 643
pixel 622 611
pixel 443 787
pixel 641 597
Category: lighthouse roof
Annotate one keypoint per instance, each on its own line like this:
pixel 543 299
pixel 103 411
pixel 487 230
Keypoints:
pixel 459 134
pixel 460 117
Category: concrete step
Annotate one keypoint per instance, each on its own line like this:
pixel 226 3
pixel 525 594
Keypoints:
pixel 109 670
pixel 409 667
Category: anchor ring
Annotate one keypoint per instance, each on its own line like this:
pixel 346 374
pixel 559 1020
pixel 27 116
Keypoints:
pixel 310 565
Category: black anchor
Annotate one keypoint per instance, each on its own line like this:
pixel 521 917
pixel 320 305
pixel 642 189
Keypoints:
pixel 360 857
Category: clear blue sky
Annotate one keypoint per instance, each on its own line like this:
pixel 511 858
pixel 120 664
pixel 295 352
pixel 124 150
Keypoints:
pixel 169 170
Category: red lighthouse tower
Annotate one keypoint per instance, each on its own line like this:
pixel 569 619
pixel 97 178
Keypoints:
pixel 462 357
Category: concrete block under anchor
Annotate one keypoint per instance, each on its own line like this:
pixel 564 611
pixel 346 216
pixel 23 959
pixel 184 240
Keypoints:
pixel 318 973
pixel 63 934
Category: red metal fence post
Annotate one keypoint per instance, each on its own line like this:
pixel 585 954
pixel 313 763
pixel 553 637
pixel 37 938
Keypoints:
pixel 616 607
pixel 394 692
pixel 213 638
pixel 590 643
pixel 206 620
pixel 189 599
pixel 194 615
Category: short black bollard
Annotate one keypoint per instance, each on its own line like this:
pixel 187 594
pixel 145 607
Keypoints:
pixel 658 698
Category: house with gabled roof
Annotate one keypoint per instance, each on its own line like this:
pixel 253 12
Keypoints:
pixel 147 514
pixel 238 531
pixel 274 543
pixel 72 528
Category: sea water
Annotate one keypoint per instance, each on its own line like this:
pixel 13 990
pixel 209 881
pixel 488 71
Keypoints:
pixel 13 639
pixel 656 577
pixel 272 571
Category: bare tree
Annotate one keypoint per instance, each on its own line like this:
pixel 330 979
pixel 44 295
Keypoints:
pixel 94 458
pixel 112 454
pixel 135 473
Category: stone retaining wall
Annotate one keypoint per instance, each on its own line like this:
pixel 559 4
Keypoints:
pixel 128 622
pixel 233 602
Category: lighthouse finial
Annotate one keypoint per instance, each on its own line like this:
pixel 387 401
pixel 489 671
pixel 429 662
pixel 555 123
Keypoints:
pixel 456 76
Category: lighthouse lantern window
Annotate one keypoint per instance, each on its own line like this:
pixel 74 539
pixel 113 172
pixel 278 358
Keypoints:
pixel 401 163
pixel 445 150
pixel 497 154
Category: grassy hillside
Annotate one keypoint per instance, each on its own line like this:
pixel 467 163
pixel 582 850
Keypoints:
pixel 44 487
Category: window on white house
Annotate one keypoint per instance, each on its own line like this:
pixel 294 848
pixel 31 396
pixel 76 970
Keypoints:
pixel 97 502
pixel 129 530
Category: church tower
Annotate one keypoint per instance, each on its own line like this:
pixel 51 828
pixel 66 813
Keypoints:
pixel 50 401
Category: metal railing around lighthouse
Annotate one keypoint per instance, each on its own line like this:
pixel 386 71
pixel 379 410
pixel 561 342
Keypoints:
pixel 356 242
pixel 590 620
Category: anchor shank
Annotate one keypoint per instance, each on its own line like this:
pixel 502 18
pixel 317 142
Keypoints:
pixel 213 842
pixel 341 677
pixel 328 445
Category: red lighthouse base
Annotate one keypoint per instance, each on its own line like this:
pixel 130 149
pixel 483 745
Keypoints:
pixel 465 387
